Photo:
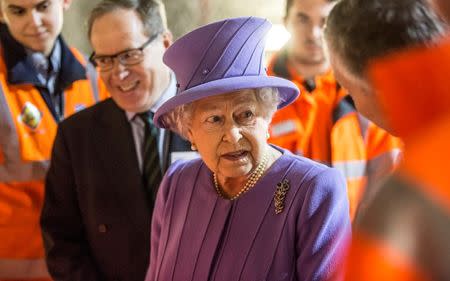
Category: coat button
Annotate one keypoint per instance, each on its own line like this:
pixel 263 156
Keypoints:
pixel 102 228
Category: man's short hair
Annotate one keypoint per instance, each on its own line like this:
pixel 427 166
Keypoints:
pixel 289 4
pixel 151 12
pixel 359 30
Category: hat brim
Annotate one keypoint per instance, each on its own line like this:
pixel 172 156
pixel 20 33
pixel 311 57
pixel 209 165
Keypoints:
pixel 287 90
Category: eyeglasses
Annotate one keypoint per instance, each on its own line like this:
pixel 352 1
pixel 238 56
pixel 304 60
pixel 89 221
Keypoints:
pixel 127 57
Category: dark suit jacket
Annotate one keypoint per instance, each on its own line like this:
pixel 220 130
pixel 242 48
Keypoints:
pixel 96 217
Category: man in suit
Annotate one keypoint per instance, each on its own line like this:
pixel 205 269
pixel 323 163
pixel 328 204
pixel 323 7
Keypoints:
pixel 99 190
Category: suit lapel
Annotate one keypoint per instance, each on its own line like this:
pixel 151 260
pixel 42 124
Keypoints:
pixel 115 146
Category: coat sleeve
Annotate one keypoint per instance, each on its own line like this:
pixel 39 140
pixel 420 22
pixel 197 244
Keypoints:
pixel 67 252
pixel 323 228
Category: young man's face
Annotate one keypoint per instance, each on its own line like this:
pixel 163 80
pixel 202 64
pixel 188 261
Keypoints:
pixel 34 23
pixel 305 21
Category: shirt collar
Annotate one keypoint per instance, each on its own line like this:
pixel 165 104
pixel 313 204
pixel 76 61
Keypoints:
pixel 168 93
pixel 42 64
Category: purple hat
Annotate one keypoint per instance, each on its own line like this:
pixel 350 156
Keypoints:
pixel 221 57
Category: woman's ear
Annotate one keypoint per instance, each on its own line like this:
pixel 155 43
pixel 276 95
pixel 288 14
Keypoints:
pixel 191 139
pixel 189 135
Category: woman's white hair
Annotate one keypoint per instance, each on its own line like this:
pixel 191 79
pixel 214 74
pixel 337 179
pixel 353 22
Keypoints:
pixel 180 118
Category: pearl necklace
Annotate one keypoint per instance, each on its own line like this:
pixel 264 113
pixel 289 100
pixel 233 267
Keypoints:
pixel 254 177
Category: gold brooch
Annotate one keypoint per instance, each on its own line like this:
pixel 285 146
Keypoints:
pixel 280 195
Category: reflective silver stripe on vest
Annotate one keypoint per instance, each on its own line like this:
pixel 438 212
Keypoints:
pixel 14 168
pixel 353 169
pixel 91 73
pixel 376 168
pixel 23 269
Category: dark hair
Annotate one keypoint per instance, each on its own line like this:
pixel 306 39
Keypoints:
pixel 151 13
pixel 289 4
pixel 360 30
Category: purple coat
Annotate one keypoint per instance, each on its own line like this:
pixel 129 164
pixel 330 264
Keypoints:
pixel 197 235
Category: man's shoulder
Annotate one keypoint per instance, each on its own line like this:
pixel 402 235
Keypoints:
pixel 90 114
pixel 303 164
pixel 309 182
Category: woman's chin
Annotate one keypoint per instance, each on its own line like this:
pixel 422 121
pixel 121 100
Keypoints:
pixel 242 171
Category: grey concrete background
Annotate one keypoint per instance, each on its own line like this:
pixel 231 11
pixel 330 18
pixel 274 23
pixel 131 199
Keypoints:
pixel 182 15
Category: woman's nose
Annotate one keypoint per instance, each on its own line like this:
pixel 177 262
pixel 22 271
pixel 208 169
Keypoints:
pixel 232 133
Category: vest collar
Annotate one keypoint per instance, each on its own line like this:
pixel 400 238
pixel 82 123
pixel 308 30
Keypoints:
pixel 281 68
pixel 20 69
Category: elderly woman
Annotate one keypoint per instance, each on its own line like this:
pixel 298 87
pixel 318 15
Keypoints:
pixel 246 210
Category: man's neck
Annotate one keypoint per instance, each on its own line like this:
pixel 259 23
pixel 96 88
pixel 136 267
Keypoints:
pixel 309 70
pixel 168 90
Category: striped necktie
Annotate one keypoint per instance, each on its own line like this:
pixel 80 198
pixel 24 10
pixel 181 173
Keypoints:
pixel 151 169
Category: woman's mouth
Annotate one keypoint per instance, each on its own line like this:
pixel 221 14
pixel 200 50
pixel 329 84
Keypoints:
pixel 236 155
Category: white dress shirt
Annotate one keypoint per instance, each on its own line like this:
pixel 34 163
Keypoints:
pixel 138 126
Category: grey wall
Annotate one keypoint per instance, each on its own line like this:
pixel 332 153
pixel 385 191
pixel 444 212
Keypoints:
pixel 74 30
pixel 182 15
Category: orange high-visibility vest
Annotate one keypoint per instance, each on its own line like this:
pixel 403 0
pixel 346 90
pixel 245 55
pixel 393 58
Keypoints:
pixel 323 125
pixel 407 230
pixel 27 130
pixel 372 260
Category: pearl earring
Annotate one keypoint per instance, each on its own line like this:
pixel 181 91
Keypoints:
pixel 193 147
pixel 267 135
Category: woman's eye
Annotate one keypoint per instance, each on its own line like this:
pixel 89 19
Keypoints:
pixel 213 119
pixel 246 115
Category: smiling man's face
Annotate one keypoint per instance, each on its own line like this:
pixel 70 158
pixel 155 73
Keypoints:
pixel 134 88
